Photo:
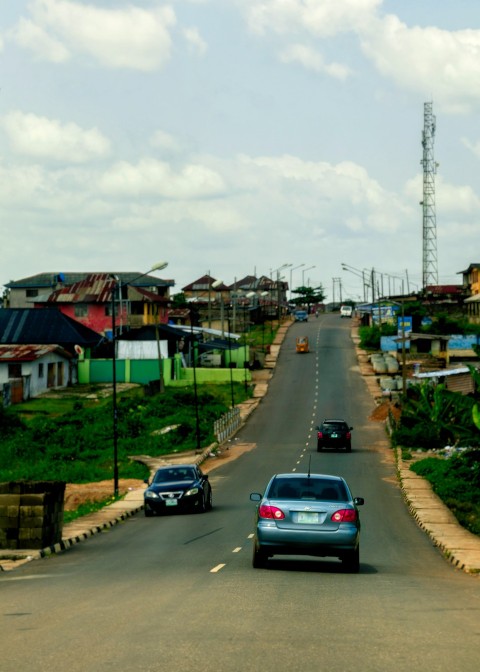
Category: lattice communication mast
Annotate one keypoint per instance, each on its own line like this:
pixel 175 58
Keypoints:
pixel 429 262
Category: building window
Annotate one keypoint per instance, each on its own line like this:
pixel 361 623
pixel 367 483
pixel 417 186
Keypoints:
pixel 81 310
pixel 40 370
pixel 15 370
pixel 31 292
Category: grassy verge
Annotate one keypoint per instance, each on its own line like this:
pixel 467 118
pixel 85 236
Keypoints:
pixel 73 441
pixel 457 482
pixel 86 508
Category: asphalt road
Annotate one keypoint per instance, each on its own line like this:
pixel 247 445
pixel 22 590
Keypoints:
pixel 179 593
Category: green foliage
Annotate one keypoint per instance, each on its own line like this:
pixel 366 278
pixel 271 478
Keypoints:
pixel 308 295
pixel 9 422
pixel 434 417
pixel 86 508
pixel 370 337
pixel 77 446
pixel 457 482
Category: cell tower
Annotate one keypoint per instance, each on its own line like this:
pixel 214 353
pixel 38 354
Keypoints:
pixel 429 262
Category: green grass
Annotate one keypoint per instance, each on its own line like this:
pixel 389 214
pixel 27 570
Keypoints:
pixel 457 482
pixel 86 508
pixel 75 443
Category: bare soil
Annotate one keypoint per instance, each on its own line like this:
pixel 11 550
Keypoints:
pixel 77 494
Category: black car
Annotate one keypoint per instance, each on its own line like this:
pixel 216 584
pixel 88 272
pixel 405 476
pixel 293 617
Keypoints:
pixel 334 434
pixel 178 488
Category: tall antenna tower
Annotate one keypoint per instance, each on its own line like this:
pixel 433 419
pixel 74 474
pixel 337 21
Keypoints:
pixel 429 262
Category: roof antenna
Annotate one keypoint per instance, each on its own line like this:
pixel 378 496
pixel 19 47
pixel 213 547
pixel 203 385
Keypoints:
pixel 309 464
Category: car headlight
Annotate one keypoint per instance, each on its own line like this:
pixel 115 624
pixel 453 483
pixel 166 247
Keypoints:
pixel 149 494
pixel 192 491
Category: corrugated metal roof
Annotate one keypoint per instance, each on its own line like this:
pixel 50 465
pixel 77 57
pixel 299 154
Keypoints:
pixel 51 280
pixel 29 353
pixel 43 326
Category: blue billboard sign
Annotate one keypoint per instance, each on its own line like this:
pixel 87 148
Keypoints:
pixel 404 326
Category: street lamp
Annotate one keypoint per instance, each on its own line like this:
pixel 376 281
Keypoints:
pixel 359 273
pixel 114 290
pixel 246 330
pixel 198 448
pixel 215 285
pixel 291 271
pixel 277 271
pixel 230 357
pixel 303 273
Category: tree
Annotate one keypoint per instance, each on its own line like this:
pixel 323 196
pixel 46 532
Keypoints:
pixel 308 296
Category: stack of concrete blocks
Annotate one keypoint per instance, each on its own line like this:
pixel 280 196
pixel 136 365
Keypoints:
pixel 31 514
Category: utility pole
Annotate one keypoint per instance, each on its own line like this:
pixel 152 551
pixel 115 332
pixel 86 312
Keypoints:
pixel 429 260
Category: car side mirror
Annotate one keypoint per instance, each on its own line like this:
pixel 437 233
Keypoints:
pixel 145 480
pixel 359 501
pixel 256 497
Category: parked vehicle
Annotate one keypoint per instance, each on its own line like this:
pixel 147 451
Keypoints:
pixel 334 433
pixel 307 514
pixel 302 344
pixel 300 316
pixel 346 311
pixel 178 488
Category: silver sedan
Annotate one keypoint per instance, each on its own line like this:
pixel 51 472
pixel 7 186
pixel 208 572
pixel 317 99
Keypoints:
pixel 307 514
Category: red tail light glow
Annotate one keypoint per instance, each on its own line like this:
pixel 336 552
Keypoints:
pixel 319 435
pixel 349 436
pixel 345 516
pixel 267 511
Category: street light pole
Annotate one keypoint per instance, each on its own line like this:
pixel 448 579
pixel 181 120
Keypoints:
pixel 114 395
pixel 230 357
pixel 113 292
pixel 198 448
pixel 303 273
pixel 291 271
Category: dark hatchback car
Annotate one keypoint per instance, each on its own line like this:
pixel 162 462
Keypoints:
pixel 178 488
pixel 307 514
pixel 334 434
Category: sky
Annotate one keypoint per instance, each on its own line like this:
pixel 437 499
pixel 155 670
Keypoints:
pixel 234 137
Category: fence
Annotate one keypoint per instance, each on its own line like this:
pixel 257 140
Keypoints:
pixel 227 424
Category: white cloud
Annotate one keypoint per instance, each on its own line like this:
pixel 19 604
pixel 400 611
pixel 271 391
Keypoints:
pixel 443 64
pixel 130 37
pixel 49 139
pixel 474 147
pixel 324 19
pixel 313 60
pixel 449 198
pixel 151 178
pixel 195 41
pixel 33 37
pixel 167 143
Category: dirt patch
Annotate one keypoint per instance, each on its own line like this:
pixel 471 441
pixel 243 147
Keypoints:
pixel 77 494
pixel 383 410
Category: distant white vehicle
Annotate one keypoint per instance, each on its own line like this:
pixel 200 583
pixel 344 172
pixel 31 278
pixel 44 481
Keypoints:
pixel 346 311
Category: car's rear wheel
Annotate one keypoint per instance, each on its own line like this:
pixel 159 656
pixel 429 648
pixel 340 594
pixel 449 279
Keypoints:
pixel 319 448
pixel 351 561
pixel 348 447
pixel 259 559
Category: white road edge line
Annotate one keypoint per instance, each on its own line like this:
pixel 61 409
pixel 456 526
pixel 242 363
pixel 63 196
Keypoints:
pixel 237 550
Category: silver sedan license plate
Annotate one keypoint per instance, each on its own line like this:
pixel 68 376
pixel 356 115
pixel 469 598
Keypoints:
pixel 307 517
